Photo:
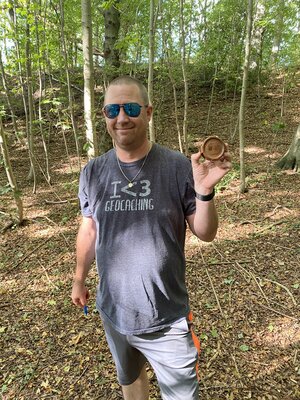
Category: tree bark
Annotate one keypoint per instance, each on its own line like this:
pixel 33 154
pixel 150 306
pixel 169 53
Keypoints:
pixel 88 73
pixel 152 28
pixel 243 97
pixel 70 94
pixel 184 75
pixel 279 25
pixel 8 98
pixel 291 159
pixel 111 35
pixel 9 173
pixel 30 137
pixel 43 136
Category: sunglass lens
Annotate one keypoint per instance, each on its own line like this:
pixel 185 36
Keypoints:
pixel 112 110
pixel 132 109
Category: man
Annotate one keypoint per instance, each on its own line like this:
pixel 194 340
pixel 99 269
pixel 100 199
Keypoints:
pixel 135 201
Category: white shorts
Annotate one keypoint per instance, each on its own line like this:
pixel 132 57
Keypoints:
pixel 171 353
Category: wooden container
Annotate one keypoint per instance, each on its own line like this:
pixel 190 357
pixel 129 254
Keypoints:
pixel 213 148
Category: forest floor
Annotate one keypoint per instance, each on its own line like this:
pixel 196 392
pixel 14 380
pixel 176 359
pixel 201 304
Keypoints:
pixel 244 287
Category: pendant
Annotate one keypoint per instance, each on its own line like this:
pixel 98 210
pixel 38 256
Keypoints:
pixel 130 184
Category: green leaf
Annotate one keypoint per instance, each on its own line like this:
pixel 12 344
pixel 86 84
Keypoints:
pixel 229 281
pixel 296 286
pixel 5 189
pixel 244 347
pixel 4 388
pixel 67 368
pixel 214 333
pixel 2 329
pixel 51 302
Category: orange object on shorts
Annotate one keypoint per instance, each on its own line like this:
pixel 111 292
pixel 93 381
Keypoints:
pixel 195 340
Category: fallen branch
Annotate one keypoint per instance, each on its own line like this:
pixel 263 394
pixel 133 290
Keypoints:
pixel 236 367
pixel 215 294
pixel 252 276
pixel 4 213
pixel 10 268
pixel 215 355
pixel 268 216
pixel 218 387
pixel 218 262
pixel 283 287
pixel 47 276
pixel 212 286
pixel 266 228
pixel 276 312
pixel 54 223
pixel 295 357
pixel 8 226
pixel 60 201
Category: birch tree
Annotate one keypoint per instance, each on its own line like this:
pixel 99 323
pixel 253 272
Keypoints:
pixel 8 97
pixel 88 72
pixel 278 31
pixel 152 29
pixel 40 119
pixel 243 96
pixel 184 75
pixel 29 79
pixel 9 173
pixel 70 94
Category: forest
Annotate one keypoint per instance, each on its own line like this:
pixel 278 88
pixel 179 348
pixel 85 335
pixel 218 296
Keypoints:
pixel 212 67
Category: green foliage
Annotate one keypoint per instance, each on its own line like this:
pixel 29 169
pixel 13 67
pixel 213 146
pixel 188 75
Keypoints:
pixel 244 348
pixel 278 127
pixel 232 175
pixel 5 189
pixel 214 39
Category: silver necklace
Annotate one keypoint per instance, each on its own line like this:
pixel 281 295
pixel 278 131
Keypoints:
pixel 131 181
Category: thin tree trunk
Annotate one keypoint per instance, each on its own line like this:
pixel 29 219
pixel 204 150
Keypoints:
pixel 184 75
pixel 30 139
pixel 175 105
pixel 48 178
pixel 152 28
pixel 243 97
pixel 257 43
pixel 88 73
pixel 278 33
pixel 20 68
pixel 9 173
pixel 8 98
pixel 214 79
pixel 111 34
pixel 70 94
pixel 167 40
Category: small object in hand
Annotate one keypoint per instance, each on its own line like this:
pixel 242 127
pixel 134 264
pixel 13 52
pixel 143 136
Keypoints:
pixel 213 148
pixel 85 310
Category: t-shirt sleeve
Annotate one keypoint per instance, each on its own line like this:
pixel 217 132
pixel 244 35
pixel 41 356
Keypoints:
pixel 83 194
pixel 189 201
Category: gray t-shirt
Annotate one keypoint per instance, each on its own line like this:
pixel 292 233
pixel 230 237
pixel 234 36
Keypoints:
pixel 140 237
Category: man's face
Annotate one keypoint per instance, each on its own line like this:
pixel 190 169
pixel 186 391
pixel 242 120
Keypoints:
pixel 127 132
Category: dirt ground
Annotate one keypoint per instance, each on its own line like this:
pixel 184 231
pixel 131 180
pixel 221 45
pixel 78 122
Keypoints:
pixel 244 286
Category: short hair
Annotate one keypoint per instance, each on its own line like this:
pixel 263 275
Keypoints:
pixel 130 80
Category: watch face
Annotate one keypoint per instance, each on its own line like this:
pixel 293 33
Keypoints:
pixel 212 148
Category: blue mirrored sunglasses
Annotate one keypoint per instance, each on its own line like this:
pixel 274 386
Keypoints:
pixel 131 109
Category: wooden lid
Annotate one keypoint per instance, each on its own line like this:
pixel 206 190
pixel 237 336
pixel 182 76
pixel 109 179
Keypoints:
pixel 212 148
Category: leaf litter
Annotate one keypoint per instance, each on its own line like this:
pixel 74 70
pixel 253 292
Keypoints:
pixel 244 287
